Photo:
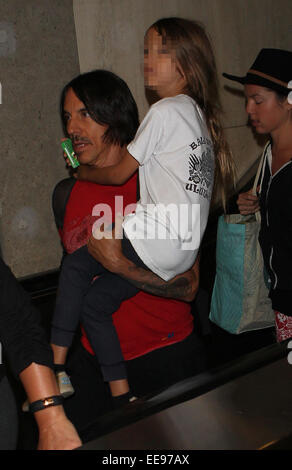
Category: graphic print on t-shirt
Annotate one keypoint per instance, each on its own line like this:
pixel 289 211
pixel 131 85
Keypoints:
pixel 201 168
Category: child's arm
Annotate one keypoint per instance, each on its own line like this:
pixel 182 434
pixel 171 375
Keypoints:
pixel 113 175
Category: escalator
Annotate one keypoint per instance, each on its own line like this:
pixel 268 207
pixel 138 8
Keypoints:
pixel 229 397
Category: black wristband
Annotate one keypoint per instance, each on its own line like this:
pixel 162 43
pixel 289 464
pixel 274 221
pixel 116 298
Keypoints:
pixel 45 403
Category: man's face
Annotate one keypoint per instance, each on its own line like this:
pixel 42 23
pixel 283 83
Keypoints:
pixel 85 133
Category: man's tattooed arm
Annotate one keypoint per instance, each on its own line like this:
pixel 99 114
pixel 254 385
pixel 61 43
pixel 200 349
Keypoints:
pixel 182 287
pixel 108 252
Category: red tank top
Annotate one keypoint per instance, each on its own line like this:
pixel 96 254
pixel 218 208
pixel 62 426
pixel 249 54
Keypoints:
pixel 144 322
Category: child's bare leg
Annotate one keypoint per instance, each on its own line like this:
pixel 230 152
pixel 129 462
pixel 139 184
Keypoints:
pixel 64 383
pixel 119 387
pixel 60 354
pixel 121 392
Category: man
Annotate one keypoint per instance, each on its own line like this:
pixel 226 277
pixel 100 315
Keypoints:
pixel 156 334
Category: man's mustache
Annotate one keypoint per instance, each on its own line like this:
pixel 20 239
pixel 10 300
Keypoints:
pixel 80 140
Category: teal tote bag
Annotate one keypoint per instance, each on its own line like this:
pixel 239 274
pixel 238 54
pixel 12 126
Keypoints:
pixel 240 299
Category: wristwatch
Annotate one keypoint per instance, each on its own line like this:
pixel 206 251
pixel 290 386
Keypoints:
pixel 45 403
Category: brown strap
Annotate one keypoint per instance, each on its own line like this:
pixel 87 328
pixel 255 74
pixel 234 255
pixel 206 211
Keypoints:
pixel 268 77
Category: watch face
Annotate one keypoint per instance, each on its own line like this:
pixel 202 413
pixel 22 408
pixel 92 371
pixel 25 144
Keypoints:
pixel 48 401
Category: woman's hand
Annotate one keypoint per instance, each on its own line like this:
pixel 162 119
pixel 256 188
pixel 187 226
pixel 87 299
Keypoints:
pixel 248 203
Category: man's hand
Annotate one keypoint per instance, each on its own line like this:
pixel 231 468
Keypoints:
pixel 108 252
pixel 107 249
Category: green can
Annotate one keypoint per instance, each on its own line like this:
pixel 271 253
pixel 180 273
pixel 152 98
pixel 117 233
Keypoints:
pixel 68 149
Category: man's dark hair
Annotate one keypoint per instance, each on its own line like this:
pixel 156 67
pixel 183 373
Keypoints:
pixel 108 101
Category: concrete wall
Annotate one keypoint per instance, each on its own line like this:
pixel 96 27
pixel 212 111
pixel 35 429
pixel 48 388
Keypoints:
pixel 110 35
pixel 38 55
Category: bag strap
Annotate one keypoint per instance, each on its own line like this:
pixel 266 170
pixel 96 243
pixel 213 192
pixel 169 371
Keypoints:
pixel 60 198
pixel 138 188
pixel 255 184
pixel 260 168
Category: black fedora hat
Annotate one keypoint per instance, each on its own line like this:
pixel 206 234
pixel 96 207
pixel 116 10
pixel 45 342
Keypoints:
pixel 271 69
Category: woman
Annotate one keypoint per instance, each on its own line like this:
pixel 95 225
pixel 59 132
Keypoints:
pixel 268 91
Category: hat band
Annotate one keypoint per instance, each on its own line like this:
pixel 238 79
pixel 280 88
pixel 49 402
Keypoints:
pixel 268 77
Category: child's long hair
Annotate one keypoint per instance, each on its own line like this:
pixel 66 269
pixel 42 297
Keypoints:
pixel 195 56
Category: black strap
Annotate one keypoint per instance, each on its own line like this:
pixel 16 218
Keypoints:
pixel 39 405
pixel 138 187
pixel 264 159
pixel 60 198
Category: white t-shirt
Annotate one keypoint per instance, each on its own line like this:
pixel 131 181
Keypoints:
pixel 176 172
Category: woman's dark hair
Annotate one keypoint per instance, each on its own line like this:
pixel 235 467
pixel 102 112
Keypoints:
pixel 281 97
pixel 108 101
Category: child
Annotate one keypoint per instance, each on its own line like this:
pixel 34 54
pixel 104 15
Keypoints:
pixel 174 150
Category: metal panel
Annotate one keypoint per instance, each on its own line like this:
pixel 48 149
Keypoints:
pixel 246 413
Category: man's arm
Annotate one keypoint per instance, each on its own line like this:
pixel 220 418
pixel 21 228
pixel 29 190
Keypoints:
pixel 182 287
pixel 109 253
